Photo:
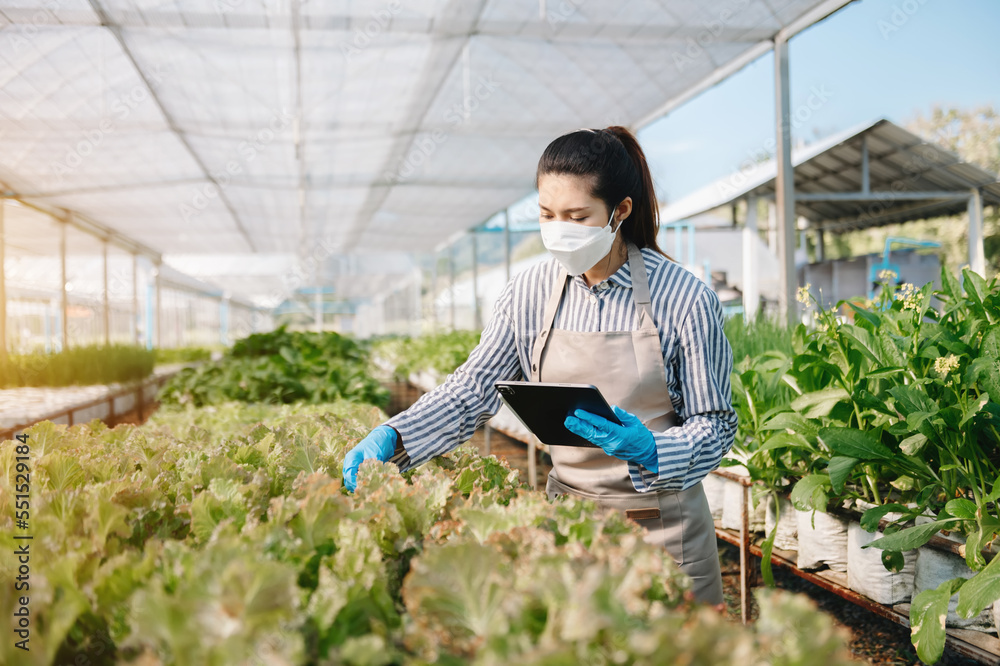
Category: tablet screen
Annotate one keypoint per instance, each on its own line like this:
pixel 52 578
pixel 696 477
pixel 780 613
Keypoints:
pixel 543 407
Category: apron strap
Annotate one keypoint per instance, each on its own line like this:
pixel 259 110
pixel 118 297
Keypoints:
pixel 547 319
pixel 640 285
pixel 640 293
pixel 646 340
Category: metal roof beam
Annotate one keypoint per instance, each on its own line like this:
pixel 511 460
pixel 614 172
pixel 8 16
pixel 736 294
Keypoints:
pixel 348 22
pixel 89 226
pixel 879 196
pixel 889 216
pixel 445 51
pixel 116 31
pixel 818 13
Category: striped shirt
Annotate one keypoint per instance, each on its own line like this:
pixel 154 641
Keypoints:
pixel 697 360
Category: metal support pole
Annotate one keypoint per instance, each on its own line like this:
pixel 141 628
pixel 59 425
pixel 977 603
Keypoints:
pixel 451 284
pixel 3 287
pixel 532 464
pixel 745 555
pixel 107 307
pixel 751 296
pixel 772 227
pixel 506 241
pixel 48 326
pixel 62 283
pixel 318 310
pixel 159 306
pixel 977 253
pixel 486 437
pixel 224 320
pixel 417 324
pixel 477 321
pixel 785 186
pixel 434 292
pixel 820 245
pixel 135 299
pixel 865 174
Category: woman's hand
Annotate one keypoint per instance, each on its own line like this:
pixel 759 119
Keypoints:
pixel 379 444
pixel 631 441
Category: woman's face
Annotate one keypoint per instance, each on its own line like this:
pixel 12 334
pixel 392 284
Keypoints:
pixel 567 197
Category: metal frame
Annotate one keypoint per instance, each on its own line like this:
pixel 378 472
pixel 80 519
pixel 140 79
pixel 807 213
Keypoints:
pixel 751 294
pixel 138 390
pixel 784 194
pixel 965 642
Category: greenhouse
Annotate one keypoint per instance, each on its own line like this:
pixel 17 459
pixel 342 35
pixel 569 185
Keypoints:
pixel 409 332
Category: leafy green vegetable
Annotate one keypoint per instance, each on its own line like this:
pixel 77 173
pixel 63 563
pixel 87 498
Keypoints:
pixel 439 352
pixel 223 534
pixel 83 365
pixel 281 367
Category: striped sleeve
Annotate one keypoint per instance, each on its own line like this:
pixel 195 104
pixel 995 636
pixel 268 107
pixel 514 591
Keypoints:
pixel 689 451
pixel 448 415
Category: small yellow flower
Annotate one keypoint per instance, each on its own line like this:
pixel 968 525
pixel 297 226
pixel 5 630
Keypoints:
pixel 910 296
pixel 945 364
pixel 803 295
pixel 887 275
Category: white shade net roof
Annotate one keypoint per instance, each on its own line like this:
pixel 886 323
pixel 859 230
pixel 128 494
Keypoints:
pixel 271 126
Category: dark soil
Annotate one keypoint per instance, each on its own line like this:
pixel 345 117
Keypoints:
pixel 875 640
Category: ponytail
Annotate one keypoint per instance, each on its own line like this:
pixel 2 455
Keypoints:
pixel 617 165
pixel 645 214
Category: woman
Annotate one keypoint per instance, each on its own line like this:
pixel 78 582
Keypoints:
pixel 610 309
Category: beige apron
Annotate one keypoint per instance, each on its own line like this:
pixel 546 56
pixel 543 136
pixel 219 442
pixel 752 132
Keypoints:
pixel 627 366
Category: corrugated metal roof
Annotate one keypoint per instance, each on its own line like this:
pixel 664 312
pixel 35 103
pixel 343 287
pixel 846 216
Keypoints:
pixel 899 162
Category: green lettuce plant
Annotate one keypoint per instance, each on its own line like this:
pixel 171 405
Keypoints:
pixel 224 535
pixel 281 367
pixel 439 352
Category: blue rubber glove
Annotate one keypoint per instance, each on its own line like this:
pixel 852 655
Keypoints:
pixel 631 441
pixel 379 444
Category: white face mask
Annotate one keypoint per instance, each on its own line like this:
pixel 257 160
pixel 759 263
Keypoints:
pixel 577 247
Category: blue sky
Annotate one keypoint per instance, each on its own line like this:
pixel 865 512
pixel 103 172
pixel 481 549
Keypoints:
pixel 944 52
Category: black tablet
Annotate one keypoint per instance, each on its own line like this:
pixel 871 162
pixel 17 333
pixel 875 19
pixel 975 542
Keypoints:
pixel 543 407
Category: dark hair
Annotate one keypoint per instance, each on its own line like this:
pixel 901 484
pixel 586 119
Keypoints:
pixel 613 160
